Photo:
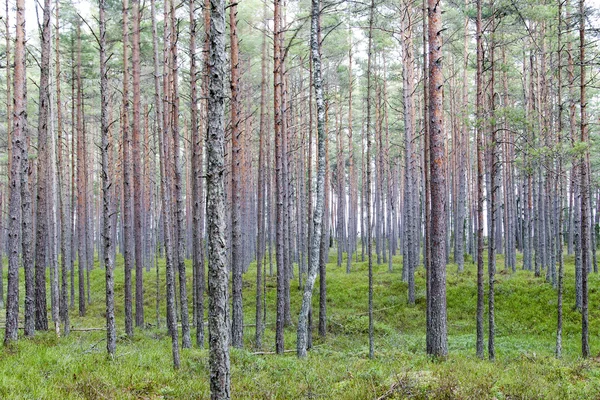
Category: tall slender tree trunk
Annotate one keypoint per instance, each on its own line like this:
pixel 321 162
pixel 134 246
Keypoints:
pixel 218 325
pixel 575 212
pixel 426 179
pixel 388 184
pixel 138 200
pixel 585 192
pixel 196 171
pixel 315 50
pixel 158 123
pixel 411 201
pixel 560 186
pixel 286 180
pixel 353 206
pixel 165 184
pixel 128 234
pixel 509 192
pixel 18 151
pixel 341 193
pixel 368 182
pixel 324 240
pixel 72 222
pixel 480 149
pixel 26 217
pixel 459 237
pixel 9 100
pixel 41 240
pixel 51 174
pixel 111 334
pixel 237 316
pixel 493 203
pixel 81 186
pixel 438 324
pixel 9 121
pixel 66 232
pixel 178 166
pixel 377 200
pixel 279 195
pixel 262 173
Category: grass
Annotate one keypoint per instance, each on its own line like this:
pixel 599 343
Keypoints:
pixel 338 367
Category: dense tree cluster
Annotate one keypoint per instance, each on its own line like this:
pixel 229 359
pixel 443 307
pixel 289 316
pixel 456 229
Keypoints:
pixel 266 134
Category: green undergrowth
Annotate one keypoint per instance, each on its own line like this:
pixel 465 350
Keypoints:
pixel 338 367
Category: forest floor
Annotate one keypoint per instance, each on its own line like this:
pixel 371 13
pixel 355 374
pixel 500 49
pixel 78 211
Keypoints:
pixel 338 366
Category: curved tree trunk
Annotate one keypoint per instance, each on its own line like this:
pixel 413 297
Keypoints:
pixel 315 50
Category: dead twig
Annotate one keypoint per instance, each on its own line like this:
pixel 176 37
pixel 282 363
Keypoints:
pixel 390 392
pixel 94 346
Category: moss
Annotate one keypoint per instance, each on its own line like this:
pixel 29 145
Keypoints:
pixel 338 366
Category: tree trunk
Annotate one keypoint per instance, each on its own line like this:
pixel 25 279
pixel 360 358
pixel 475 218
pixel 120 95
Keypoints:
pixel 137 167
pixel 9 121
pixel 341 193
pixel 65 232
pixel 237 316
pixel 324 240
pixel 218 325
pixel 286 179
pixel 560 186
pixel 9 101
pixel 18 152
pixel 585 192
pixel 128 234
pixel 179 206
pixel 459 236
pixel 411 200
pixel 74 236
pixel 41 318
pixel 81 188
pixel 197 202
pixel 279 222
pixel 165 186
pixel 158 121
pixel 438 323
pixel 53 235
pixel 27 226
pixel 426 178
pixel 368 182
pixel 262 173
pixel 480 148
pixel 111 334
pixel 352 191
pixel 315 50
pixel 493 203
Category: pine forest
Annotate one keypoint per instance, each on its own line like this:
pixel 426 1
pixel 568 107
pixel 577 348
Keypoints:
pixel 299 199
